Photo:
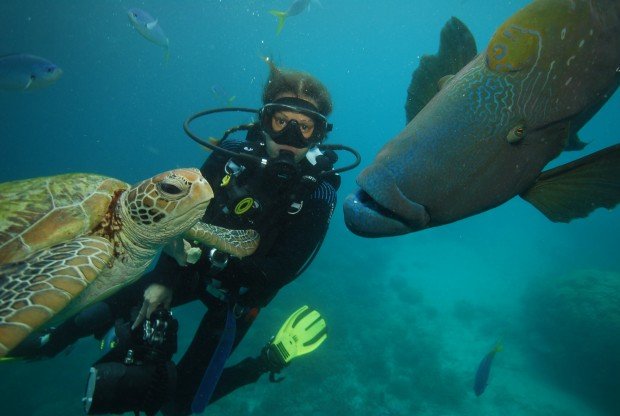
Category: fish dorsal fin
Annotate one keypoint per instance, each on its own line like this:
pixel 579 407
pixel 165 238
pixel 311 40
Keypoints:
pixel 577 188
pixel 443 81
pixel 151 25
pixel 457 48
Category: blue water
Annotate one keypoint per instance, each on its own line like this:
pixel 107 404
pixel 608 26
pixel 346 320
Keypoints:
pixel 410 317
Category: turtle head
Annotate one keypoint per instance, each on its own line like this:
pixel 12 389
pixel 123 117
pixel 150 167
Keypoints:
pixel 165 206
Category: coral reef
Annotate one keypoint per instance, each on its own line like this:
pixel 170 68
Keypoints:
pixel 574 321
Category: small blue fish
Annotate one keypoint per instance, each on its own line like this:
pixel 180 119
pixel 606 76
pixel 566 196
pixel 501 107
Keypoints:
pixel 149 28
pixel 21 71
pixel 298 7
pixel 484 370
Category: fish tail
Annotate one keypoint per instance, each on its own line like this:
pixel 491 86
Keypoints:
pixel 166 55
pixel 281 19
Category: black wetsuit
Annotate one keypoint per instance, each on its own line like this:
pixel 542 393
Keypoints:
pixel 290 237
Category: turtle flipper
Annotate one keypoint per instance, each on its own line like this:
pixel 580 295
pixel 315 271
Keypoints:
pixel 239 243
pixel 34 290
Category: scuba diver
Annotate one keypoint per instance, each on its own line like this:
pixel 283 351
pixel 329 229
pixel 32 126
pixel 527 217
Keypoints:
pixel 280 181
pixel 137 373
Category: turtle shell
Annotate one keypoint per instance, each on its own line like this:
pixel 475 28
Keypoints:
pixel 41 212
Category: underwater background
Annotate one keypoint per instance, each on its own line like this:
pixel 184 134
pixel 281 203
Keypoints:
pixel 409 317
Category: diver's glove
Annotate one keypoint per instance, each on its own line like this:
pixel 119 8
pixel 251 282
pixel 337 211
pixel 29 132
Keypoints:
pixel 303 332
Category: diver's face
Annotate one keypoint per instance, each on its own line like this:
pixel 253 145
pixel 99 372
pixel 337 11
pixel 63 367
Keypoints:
pixel 281 119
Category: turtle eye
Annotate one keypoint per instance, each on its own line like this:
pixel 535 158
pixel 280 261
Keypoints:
pixel 169 188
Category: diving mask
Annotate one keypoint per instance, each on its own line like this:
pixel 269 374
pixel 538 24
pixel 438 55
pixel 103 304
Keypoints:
pixel 289 131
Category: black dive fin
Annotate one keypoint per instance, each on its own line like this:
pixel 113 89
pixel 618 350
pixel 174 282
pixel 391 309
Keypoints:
pixel 577 188
pixel 456 48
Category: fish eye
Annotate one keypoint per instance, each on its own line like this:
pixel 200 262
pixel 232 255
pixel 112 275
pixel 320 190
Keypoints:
pixel 516 134
pixel 50 69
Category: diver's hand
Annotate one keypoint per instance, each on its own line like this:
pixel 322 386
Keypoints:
pixel 154 296
pixel 182 251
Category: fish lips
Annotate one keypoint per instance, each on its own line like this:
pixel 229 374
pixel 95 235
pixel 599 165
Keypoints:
pixel 380 208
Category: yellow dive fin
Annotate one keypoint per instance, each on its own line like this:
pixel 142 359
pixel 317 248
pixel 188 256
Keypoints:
pixel 303 332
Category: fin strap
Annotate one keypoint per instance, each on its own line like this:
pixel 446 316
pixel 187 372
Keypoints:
pixel 216 365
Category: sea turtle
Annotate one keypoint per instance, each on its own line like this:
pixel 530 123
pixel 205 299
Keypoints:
pixel 70 240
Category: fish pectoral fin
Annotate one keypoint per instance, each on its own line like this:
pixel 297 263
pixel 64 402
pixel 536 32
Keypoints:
pixel 574 142
pixel 577 188
pixel 152 24
pixel 457 48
